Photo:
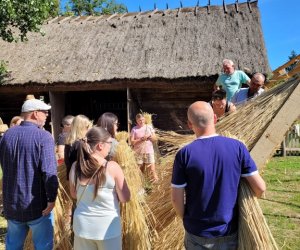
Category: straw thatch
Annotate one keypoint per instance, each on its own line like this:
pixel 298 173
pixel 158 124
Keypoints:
pixel 253 229
pixel 136 216
pixel 170 44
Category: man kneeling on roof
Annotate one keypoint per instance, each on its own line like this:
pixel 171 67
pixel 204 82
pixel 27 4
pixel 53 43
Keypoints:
pixel 255 89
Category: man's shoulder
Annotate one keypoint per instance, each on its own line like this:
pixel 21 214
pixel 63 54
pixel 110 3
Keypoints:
pixel 241 73
pixel 226 140
pixel 241 91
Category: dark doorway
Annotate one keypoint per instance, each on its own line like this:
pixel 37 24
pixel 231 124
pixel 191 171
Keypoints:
pixel 94 103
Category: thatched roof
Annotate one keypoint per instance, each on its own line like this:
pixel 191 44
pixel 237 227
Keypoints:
pixel 170 44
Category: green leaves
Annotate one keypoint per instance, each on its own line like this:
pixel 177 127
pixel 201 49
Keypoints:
pixel 18 17
pixel 3 71
pixel 96 7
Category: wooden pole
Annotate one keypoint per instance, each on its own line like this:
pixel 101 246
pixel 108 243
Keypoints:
pixel 128 110
pixel 275 132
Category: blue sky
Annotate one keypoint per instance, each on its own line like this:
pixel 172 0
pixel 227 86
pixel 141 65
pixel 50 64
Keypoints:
pixel 280 22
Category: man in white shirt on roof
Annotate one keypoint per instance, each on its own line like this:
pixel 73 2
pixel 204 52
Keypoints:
pixel 255 89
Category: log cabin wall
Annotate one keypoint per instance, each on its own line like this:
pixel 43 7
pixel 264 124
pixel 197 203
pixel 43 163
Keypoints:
pixel 169 106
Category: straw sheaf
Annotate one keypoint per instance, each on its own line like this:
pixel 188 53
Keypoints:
pixel 137 218
pixel 170 44
pixel 148 118
pixel 122 136
pixel 3 127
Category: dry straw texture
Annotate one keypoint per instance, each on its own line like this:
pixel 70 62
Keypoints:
pixel 248 124
pixel 136 216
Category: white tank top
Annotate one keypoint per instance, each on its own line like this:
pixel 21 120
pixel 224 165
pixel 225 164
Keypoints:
pixel 97 219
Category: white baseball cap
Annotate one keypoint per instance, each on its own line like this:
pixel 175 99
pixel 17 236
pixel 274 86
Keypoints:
pixel 34 104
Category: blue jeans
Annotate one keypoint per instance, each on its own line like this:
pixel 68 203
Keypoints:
pixel 42 233
pixel 193 242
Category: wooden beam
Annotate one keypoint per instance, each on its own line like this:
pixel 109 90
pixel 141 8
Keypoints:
pixel 275 132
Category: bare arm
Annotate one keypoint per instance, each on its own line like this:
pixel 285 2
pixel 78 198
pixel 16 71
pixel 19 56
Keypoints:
pixel 61 151
pixel 121 184
pixel 49 208
pixel 257 184
pixel 177 196
pixel 135 140
pixel 152 137
pixel 232 108
pixel 72 182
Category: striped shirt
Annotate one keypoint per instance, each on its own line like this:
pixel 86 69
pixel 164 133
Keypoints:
pixel 29 169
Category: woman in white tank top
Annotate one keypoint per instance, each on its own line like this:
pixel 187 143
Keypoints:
pixel 98 185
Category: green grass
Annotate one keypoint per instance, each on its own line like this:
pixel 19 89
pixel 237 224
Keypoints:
pixel 281 204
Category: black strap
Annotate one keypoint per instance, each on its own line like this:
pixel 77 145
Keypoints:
pixel 227 107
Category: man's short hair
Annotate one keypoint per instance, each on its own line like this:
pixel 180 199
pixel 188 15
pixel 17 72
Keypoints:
pixel 228 62
pixel 258 74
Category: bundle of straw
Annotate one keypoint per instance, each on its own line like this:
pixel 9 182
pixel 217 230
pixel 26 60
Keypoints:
pixel 136 216
pixel 252 222
pixel 248 122
pixel 148 118
pixel 122 136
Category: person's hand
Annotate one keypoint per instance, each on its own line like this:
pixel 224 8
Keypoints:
pixel 49 208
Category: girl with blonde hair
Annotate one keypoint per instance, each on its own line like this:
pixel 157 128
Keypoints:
pixel 80 125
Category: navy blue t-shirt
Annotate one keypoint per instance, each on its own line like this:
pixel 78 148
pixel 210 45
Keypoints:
pixel 210 169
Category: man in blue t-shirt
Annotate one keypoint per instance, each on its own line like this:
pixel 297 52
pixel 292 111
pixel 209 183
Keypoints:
pixel 205 181
pixel 231 80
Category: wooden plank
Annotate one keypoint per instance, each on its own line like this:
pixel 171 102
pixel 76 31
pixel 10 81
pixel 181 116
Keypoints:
pixel 274 134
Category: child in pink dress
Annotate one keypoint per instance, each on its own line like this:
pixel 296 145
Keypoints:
pixel 142 136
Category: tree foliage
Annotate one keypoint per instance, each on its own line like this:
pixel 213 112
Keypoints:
pixel 3 70
pixel 292 55
pixel 18 17
pixel 95 7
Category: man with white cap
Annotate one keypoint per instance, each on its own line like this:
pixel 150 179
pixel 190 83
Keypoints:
pixel 29 178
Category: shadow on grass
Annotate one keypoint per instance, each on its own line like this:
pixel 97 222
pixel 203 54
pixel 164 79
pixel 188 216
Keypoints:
pixel 288 204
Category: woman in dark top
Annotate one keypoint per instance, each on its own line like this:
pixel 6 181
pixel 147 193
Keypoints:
pixel 220 105
pixel 80 125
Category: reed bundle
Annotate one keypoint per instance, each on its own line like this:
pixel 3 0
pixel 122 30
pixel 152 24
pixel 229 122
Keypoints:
pixel 248 123
pixel 122 136
pixel 158 199
pixel 252 222
pixel 136 216
pixel 148 118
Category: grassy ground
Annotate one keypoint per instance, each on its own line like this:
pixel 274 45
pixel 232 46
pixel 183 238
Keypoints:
pixel 281 205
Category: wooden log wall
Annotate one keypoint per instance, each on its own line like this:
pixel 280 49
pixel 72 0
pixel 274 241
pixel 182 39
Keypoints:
pixel 169 106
